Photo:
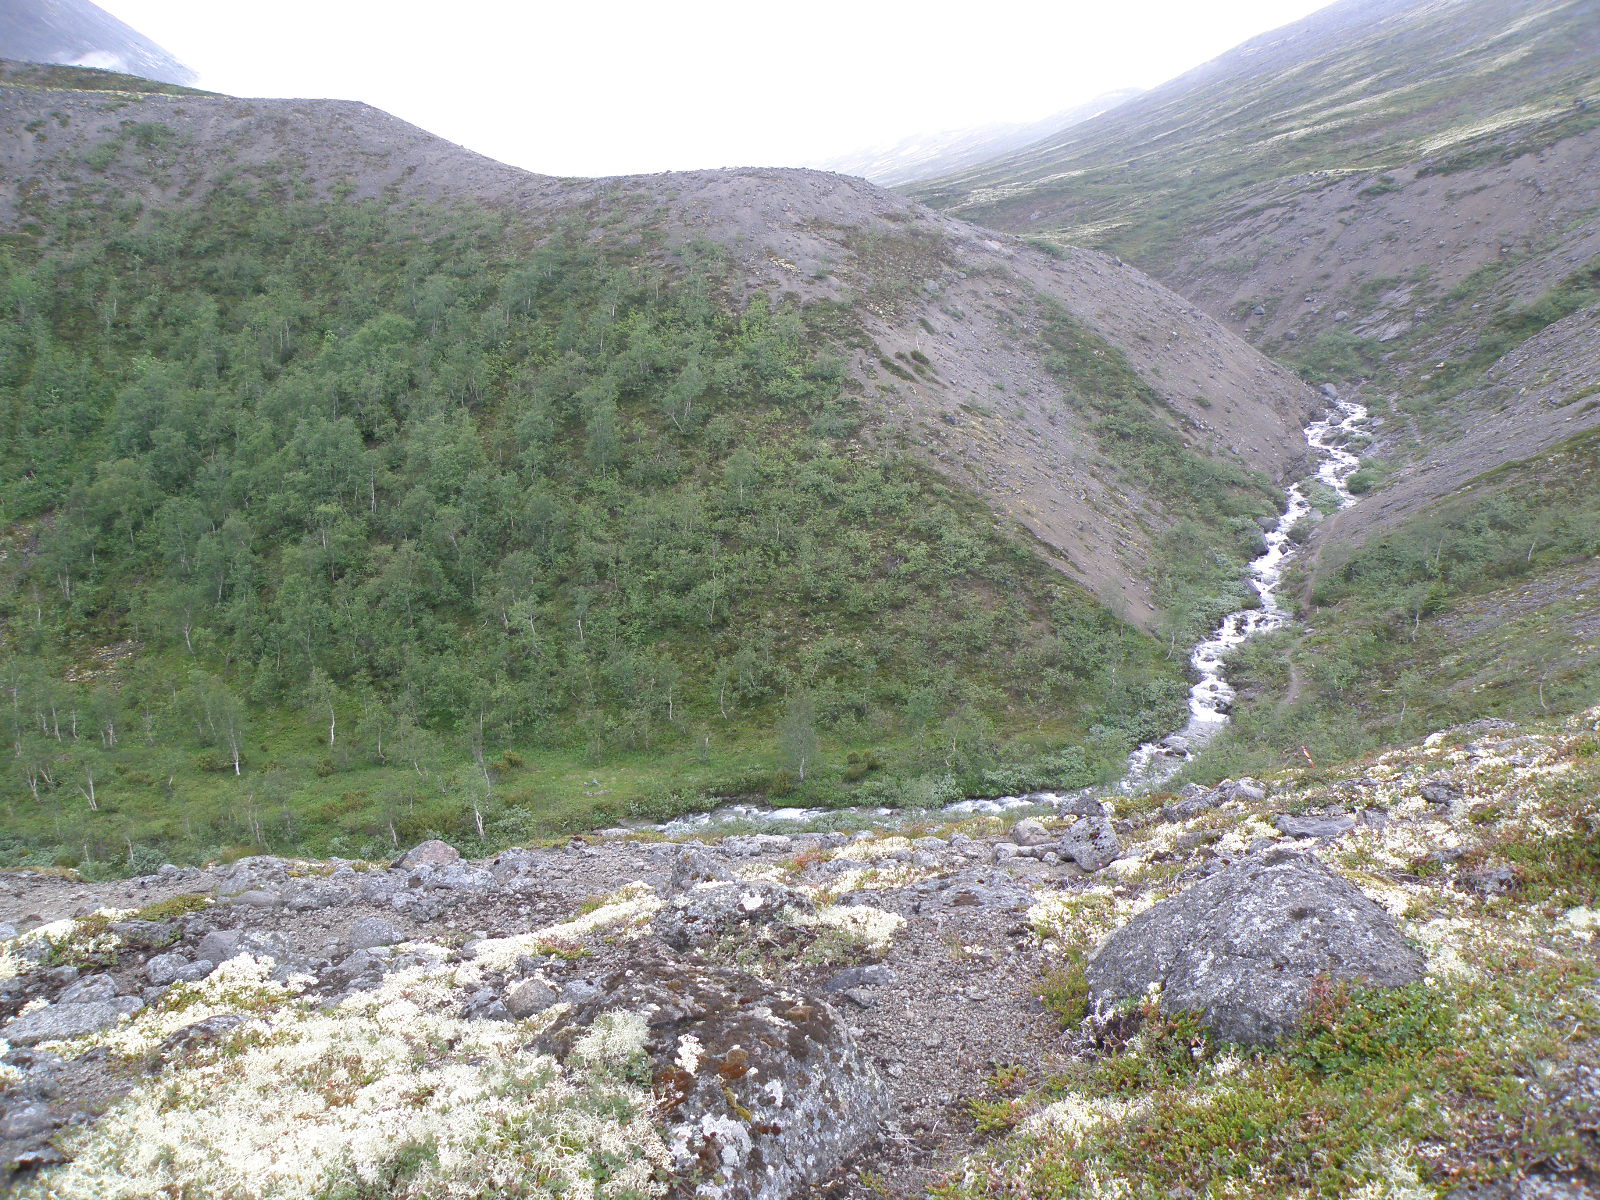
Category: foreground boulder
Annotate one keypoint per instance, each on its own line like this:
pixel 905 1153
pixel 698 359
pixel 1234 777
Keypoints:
pixel 763 1089
pixel 1243 947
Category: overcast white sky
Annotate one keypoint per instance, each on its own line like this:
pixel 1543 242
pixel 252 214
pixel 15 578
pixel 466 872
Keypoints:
pixel 576 88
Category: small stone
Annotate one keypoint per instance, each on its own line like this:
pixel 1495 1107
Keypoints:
pixel 1005 850
pixel 1028 832
pixel 859 997
pixel 1313 827
pixel 259 898
pixel 875 975
pixel 529 997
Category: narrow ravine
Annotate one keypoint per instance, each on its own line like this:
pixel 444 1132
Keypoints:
pixel 1211 696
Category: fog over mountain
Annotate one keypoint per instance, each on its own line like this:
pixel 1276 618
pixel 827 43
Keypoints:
pixel 920 156
pixel 76 33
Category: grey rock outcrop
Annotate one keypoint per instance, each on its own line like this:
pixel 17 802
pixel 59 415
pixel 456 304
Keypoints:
pixel 763 1089
pixel 704 914
pixel 1244 946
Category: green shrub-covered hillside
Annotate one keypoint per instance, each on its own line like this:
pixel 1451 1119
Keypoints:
pixel 328 526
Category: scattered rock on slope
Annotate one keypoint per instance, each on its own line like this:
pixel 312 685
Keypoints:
pixel 1243 947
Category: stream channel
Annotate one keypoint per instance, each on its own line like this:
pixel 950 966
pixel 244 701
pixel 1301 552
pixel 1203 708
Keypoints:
pixel 1209 699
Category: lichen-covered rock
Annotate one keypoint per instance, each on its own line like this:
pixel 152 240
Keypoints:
pixel 763 1090
pixel 1091 843
pixel 709 912
pixel 1243 947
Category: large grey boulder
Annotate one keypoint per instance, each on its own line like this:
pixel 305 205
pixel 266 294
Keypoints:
pixel 763 1090
pixel 1243 947
pixel 1091 843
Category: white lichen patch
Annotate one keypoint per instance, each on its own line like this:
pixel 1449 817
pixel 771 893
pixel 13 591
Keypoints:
pixel 1075 1115
pixel 872 929
pixel 240 986
pixel 389 1092
pixel 79 937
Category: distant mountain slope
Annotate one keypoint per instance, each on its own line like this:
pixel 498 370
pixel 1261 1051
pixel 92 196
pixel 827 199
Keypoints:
pixel 1360 85
pixel 78 33
pixel 929 155
pixel 1391 192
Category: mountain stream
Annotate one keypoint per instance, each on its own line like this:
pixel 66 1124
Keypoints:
pixel 1211 696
